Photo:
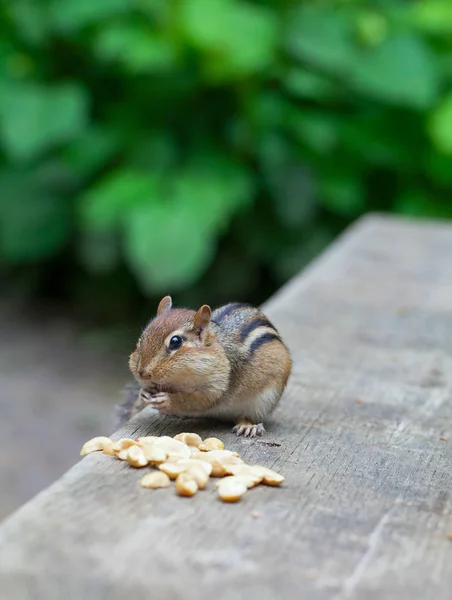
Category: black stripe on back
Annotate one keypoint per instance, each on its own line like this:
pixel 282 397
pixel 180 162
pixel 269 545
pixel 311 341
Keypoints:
pixel 264 339
pixel 228 309
pixel 249 327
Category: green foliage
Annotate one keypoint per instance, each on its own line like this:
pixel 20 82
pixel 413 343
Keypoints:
pixel 441 125
pixel 400 70
pixel 34 118
pixel 169 221
pixel 322 38
pixel 34 223
pixel 168 144
pixel 235 39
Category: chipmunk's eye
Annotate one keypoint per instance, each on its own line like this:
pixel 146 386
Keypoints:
pixel 175 342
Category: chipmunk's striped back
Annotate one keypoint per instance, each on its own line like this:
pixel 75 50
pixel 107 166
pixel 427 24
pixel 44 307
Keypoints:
pixel 260 365
pixel 243 327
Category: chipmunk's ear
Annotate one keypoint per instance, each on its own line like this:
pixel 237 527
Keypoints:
pixel 165 304
pixel 202 317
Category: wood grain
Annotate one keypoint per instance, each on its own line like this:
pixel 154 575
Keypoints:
pixel 366 507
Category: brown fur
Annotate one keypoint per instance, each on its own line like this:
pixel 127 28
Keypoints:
pixel 232 364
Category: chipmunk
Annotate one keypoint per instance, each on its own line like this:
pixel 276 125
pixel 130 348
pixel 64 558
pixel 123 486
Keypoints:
pixel 230 364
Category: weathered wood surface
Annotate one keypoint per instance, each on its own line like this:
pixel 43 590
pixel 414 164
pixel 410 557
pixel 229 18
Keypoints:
pixel 366 507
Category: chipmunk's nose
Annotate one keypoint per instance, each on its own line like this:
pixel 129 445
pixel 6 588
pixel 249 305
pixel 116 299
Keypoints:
pixel 143 374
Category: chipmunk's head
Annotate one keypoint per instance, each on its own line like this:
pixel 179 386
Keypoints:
pixel 176 351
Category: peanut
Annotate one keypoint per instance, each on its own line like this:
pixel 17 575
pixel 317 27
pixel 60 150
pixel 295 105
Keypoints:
pixel 172 469
pixel 174 448
pixel 109 448
pixel 190 462
pixel 190 439
pixel 154 454
pixel 186 485
pixel 249 473
pixel 211 444
pixel 214 454
pixel 248 479
pixel 269 477
pixel 146 440
pixel 198 467
pixel 123 444
pixel 222 453
pixel 122 454
pixel 199 474
pixel 220 460
pixel 231 489
pixel 94 445
pixel 219 468
pixel 135 457
pixel 155 480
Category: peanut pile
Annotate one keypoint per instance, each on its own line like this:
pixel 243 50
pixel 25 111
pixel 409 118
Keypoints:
pixel 189 461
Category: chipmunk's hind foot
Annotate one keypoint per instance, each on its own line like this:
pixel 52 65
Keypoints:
pixel 248 429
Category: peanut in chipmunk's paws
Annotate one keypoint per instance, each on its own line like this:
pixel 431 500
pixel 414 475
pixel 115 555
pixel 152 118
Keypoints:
pixel 160 402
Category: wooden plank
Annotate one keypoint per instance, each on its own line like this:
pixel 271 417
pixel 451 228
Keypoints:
pixel 366 507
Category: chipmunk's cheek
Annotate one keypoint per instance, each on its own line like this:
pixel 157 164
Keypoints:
pixel 160 372
pixel 133 362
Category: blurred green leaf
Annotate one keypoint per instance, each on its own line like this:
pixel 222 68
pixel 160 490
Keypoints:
pixel 382 138
pixel 274 150
pixel 372 27
pixel 34 118
pixel 160 10
pixel 213 189
pixel 322 37
pixel 308 85
pixel 444 63
pixel 432 16
pixel 169 238
pixel 157 151
pixel 373 140
pixel 136 46
pixel 34 224
pixel 103 207
pixel 341 192
pixel 439 167
pixel 267 109
pixel 31 18
pixel 90 151
pixel 74 14
pixel 318 130
pixel 56 177
pixel 166 248
pixel 401 70
pixel 419 204
pixel 237 38
pixel 440 125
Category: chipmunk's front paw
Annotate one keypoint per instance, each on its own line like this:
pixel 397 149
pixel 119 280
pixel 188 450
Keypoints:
pixel 161 402
pixel 145 396
pixel 248 429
